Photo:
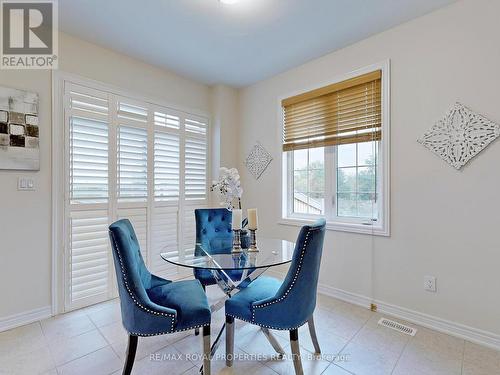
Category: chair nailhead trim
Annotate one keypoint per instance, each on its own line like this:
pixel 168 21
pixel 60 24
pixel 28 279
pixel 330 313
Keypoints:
pixel 165 333
pixel 301 259
pixel 267 326
pixel 153 312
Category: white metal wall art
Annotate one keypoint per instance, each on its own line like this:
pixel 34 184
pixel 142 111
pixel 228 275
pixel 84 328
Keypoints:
pixel 460 135
pixel 257 160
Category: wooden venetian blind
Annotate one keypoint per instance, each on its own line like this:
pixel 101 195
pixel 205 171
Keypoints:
pixel 346 112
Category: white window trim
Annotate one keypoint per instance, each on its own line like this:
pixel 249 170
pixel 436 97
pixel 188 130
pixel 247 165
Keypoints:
pixel 59 170
pixel 382 227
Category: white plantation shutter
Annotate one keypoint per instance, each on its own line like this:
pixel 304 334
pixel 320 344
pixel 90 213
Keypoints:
pixel 164 233
pixel 166 166
pixel 89 160
pixel 88 141
pixel 88 260
pixel 132 164
pixel 128 159
pixel 89 266
pixel 189 231
pixel 195 162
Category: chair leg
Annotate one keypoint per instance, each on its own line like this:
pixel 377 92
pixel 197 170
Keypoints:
pixel 275 344
pixel 294 343
pixel 314 337
pixel 197 330
pixel 206 350
pixel 229 340
pixel 131 349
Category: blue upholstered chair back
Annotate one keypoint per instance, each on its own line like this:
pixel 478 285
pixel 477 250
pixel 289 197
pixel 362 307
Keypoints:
pixel 133 280
pixel 295 301
pixel 213 229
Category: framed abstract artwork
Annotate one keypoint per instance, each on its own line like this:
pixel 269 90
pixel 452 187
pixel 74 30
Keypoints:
pixel 19 130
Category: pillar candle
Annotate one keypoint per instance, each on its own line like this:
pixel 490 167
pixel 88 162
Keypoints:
pixel 236 224
pixel 252 219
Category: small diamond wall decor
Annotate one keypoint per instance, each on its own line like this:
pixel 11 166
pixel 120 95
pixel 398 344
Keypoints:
pixel 257 160
pixel 460 135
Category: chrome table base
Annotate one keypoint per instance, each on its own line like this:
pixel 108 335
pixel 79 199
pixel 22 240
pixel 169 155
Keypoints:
pixel 230 288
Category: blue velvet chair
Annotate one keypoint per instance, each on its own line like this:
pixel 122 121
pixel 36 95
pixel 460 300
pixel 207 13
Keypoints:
pixel 150 305
pixel 286 305
pixel 214 233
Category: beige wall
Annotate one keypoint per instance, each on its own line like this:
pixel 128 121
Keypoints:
pixel 25 219
pixel 25 230
pixel 225 120
pixel 444 222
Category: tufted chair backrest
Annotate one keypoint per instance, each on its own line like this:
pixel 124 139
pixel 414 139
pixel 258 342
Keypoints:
pixel 140 316
pixel 213 229
pixel 131 272
pixel 295 301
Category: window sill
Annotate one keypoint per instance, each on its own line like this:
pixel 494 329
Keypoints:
pixel 339 227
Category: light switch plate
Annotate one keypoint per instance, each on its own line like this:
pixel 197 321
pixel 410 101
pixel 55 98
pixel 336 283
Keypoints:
pixel 25 184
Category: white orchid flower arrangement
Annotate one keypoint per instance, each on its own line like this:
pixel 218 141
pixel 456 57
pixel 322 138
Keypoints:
pixel 228 187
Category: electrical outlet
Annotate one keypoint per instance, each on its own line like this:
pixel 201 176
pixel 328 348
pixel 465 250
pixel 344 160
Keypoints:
pixel 25 184
pixel 430 283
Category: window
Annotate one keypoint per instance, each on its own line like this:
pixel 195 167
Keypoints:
pixel 309 181
pixel 335 154
pixel 127 158
pixel 356 176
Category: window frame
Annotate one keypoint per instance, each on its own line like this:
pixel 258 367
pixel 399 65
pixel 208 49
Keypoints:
pixel 345 224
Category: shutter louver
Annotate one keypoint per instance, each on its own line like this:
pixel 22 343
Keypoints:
pixel 88 160
pixel 132 112
pixel 166 166
pixel 89 260
pixel 164 239
pixel 195 160
pixel 87 102
pixel 195 171
pixel 342 113
pixel 189 232
pixel 167 120
pixel 132 164
pixel 196 127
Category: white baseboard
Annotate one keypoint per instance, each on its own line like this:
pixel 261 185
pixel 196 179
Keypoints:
pixel 26 317
pixel 472 334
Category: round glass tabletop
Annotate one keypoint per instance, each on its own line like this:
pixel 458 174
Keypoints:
pixel 272 252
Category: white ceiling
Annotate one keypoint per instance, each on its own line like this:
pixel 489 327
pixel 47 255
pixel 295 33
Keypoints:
pixel 237 44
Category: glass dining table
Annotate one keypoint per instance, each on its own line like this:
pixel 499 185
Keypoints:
pixel 235 271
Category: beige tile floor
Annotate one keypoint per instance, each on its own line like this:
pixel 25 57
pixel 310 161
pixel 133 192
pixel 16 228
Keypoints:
pixel 92 341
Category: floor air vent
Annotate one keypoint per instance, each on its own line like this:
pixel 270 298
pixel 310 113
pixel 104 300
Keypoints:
pixel 397 326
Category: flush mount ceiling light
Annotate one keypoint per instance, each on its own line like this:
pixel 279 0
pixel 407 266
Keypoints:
pixel 229 2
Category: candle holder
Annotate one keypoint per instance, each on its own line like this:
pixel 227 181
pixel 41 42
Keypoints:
pixel 253 241
pixel 236 241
